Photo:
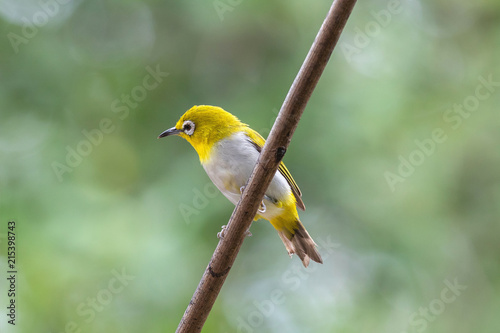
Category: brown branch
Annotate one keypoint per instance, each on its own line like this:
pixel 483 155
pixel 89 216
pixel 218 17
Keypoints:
pixel 266 167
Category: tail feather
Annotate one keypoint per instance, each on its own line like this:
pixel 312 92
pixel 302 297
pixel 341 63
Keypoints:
pixel 300 243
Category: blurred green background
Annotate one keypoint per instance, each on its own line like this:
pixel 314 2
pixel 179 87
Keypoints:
pixel 396 155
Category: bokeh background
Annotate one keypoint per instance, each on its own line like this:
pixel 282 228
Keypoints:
pixel 396 155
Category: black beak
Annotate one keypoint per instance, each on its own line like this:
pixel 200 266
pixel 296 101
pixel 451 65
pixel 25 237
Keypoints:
pixel 170 131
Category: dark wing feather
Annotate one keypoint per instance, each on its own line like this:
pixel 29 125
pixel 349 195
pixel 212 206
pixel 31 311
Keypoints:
pixel 258 142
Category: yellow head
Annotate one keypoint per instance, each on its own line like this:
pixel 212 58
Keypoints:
pixel 203 125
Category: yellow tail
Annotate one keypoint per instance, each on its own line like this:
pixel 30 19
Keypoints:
pixel 298 241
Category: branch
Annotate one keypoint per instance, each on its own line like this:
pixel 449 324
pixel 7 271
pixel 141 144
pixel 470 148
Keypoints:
pixel 266 167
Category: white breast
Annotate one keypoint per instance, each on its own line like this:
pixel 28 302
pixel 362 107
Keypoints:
pixel 231 164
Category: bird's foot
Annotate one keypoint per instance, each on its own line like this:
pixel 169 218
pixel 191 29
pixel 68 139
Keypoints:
pixel 221 233
pixel 262 208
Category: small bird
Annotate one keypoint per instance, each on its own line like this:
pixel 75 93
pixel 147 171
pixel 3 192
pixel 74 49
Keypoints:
pixel 228 151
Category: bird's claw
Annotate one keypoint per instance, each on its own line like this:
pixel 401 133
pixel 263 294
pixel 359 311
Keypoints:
pixel 221 233
pixel 262 208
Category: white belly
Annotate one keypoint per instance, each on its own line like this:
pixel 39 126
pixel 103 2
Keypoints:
pixel 231 164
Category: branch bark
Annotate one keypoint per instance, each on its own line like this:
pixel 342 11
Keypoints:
pixel 266 167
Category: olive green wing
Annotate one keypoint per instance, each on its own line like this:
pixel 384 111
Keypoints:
pixel 258 142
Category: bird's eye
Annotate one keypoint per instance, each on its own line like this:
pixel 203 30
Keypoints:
pixel 188 127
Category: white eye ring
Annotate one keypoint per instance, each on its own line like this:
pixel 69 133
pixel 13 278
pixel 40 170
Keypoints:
pixel 188 127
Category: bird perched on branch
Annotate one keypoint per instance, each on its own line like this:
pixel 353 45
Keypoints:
pixel 228 150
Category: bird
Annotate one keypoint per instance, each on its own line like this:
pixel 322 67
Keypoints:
pixel 228 150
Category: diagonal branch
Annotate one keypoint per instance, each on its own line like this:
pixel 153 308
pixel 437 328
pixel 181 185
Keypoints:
pixel 266 167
